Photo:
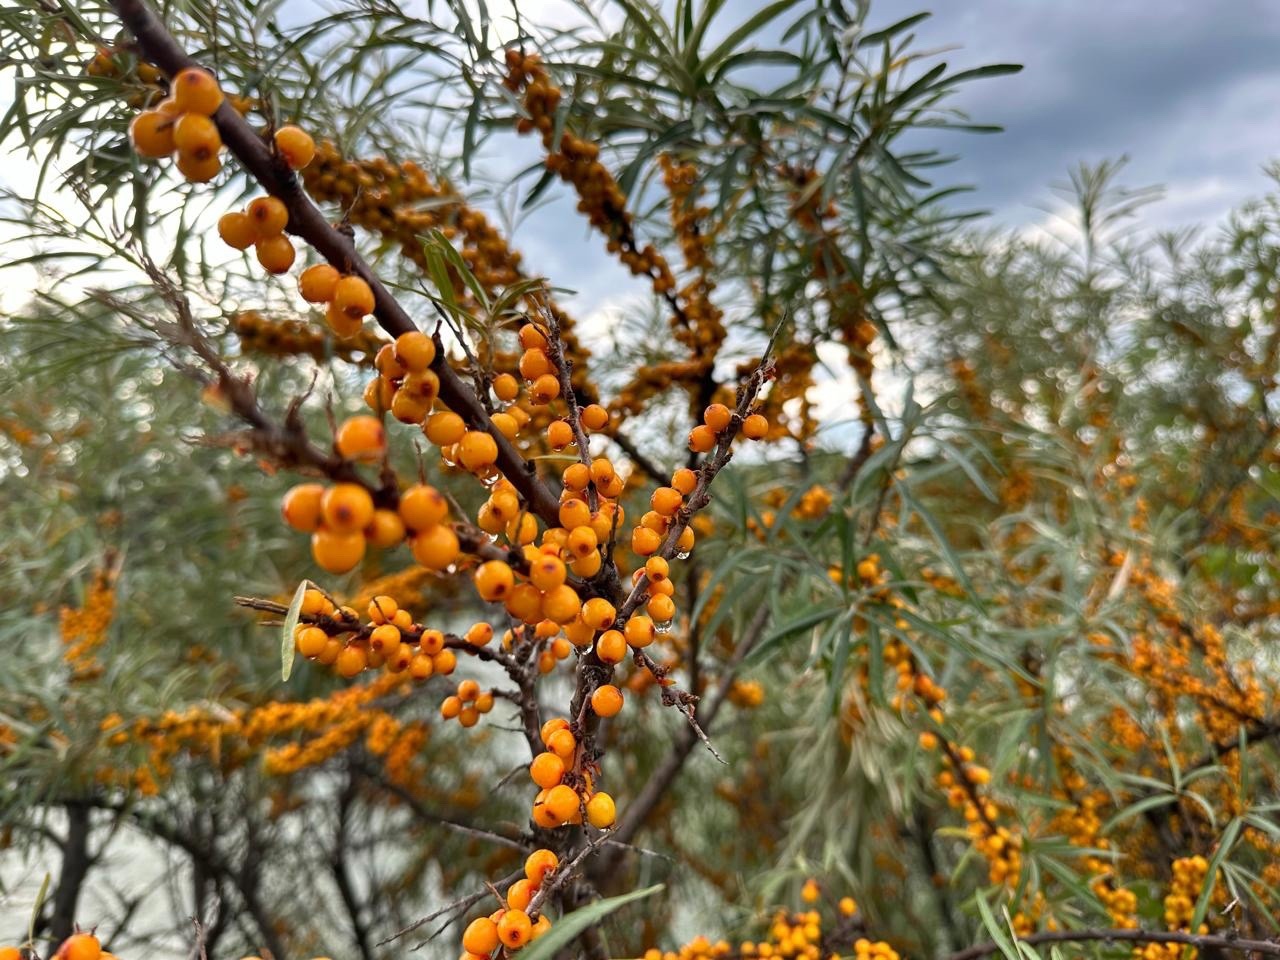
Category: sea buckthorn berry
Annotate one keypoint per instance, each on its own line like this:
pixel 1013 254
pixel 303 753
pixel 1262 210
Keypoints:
pixel 10 953
pixel 506 505
pixel 514 929
pixel 611 647
pixel 477 449
pixel 561 604
pixel 329 655
pixel 378 395
pixel 444 428
pixel 423 506
pixel 450 707
pixel 606 701
pixel 435 548
pixel 445 662
pixel 481 936
pixel 563 744
pixel 384 637
pixel 563 803
pixel 664 587
pixel 269 215
pixel 415 350
pixel 384 361
pixel 275 253
pixel 494 580
pixel 640 631
pixel 576 476
pixel 431 642
pixel 755 427
pixel 601 811
pixel 337 552
pixel 197 135
pixel 544 389
pixel 403 619
pixel 195 91
pixel 314 604
pixel 542 815
pixel 717 417
pixel 362 438
pixel 546 770
pixel 612 486
pixel 848 906
pixel 237 230
pixel 507 425
pixel 534 364
pixel 346 507
pixel 684 543
pixel 386 530
pixel 539 864
pixel 559 434
pixel 468 690
pixel 408 408
pixel 344 327
pixel 582 541
pixel 152 134
pixel 525 603
pixel 80 946
pixel 317 283
pixel 684 480
pixel 702 439
pixel 602 470
pixel 301 507
pixel 532 337
pixel 519 894
pixel 547 572
pixel 594 417
pixel 598 613
pixel 661 608
pixel 198 168
pixel 656 569
pixel 666 501
pixel 382 609
pixel 588 566
pixel 484 702
pixel 479 634
pixel 353 297
pixel 574 513
pixel 311 641
pixel 295 146
pixel 645 541
pixel 352 661
pixel 506 387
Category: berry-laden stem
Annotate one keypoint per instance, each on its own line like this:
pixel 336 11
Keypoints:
pixel 1207 941
pixel 308 222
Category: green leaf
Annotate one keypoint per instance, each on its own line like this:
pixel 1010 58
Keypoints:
pixel 287 647
pixel 36 908
pixel 1228 841
pixel 564 930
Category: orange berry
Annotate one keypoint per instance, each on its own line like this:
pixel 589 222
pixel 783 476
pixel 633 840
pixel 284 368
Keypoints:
pixel 301 506
pixel 666 501
pixel 507 425
pixel 415 350
pixel 311 641
pixel 598 613
pixel 589 565
pixel 237 230
pixel 601 811
pixel 13 953
pixel 494 580
pixel 386 530
pixel 344 327
pixel 656 569
pixel 546 770
pixel 346 507
pixel 275 253
pixel 408 408
pixel 563 744
pixel 329 655
pixel 611 647
pixel 664 587
pixel 574 513
pixel 317 283
pixel 645 541
pixel 602 470
pixel 514 929
pixel 450 707
pixel 295 146
pixel 594 417
pixel 269 215
pixel 538 864
pixel 640 631
pixel 384 637
pixel 444 428
pixel 80 946
pixel 606 701
pixel 477 449
pixel 423 506
pixel 532 337
pixel 552 726
pixel 337 552
pixel 702 439
pixel 561 604
pixel 547 572
pixel 197 168
pixel 534 364
pixel 361 437
pixel 484 702
pixel 152 134
pixel 353 297
pixel 518 895
pixel 582 541
pixel 559 434
pixel 382 609
pixel 195 91
pixel 544 389
pixel 684 480
pixel 352 661
pixel 755 427
pixel 563 803
pixel 506 387
pixel 576 476
pixel 445 662
pixel 542 815
pixel 468 690
pixel 481 936
pixel 684 543
pixel 717 417
pixel 196 135
pixel 525 603
pixel 435 548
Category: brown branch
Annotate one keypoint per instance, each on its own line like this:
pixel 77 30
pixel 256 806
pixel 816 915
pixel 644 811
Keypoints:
pixel 1265 947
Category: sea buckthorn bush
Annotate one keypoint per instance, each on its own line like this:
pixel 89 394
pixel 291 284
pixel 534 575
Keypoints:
pixel 862 586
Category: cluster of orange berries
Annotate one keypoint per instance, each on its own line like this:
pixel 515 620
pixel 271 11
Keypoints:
pixel 468 702
pixel 558 802
pixel 510 926
pixel 348 299
pixel 261 226
pixel 78 946
pixel 289 336
pixel 716 420
pixel 1189 875
pixel 407 387
pixel 183 126
pixel 798 935
pixel 335 636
